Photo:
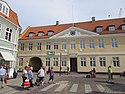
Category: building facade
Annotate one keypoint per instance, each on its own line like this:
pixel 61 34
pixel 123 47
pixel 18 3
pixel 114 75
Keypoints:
pixel 80 46
pixel 9 33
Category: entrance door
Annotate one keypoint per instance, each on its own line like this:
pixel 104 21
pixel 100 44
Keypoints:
pixel 73 64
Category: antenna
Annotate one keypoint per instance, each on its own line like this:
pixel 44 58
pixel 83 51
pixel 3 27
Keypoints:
pixel 120 12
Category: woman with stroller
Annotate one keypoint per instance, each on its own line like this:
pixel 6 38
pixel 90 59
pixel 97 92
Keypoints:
pixel 41 75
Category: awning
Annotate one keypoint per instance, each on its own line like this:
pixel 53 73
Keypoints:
pixel 7 56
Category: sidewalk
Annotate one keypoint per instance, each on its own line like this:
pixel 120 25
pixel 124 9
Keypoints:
pixel 13 86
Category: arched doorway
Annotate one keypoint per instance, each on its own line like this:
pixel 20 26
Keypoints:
pixel 36 63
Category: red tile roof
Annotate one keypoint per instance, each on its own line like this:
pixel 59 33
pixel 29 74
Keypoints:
pixel 91 25
pixel 12 17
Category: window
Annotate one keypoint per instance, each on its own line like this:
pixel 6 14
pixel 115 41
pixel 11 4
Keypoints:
pixel 0 7
pixel 101 43
pixel 30 46
pixel 0 27
pixel 20 62
pixel 82 44
pixel 72 33
pixel 48 46
pixel 91 43
pixel 55 45
pixel 123 27
pixel 31 34
pixel 50 33
pixel 8 34
pixel 4 9
pixel 102 61
pixel 73 46
pixel 99 29
pixel 39 46
pixel 55 62
pixel 92 61
pixel 22 46
pixel 47 61
pixel 40 33
pixel 64 45
pixel 63 61
pixel 83 61
pixel 116 61
pixel 111 28
pixel 114 43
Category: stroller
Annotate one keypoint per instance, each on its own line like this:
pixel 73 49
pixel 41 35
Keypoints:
pixel 39 81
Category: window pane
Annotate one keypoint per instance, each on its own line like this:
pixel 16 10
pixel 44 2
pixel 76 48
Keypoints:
pixel 55 62
pixel 82 44
pixel 72 44
pixel 92 61
pixel 83 61
pixel 91 43
pixel 63 45
pixel 47 61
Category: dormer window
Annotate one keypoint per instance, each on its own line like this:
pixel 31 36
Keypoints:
pixel 40 33
pixel 50 33
pixel 31 34
pixel 111 28
pixel 4 8
pixel 99 29
pixel 123 27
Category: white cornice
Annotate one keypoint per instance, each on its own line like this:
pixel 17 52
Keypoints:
pixel 105 35
pixel 79 54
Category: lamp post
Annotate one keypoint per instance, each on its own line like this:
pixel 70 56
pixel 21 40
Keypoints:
pixel 60 63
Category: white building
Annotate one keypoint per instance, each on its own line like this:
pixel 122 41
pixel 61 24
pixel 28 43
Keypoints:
pixel 9 32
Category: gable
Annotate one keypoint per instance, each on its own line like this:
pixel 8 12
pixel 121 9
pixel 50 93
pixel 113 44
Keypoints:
pixel 74 32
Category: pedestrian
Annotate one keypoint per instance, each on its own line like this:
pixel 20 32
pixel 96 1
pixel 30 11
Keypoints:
pixel 24 75
pixel 51 75
pixel 110 75
pixel 41 75
pixel 30 75
pixel 67 70
pixel 2 75
pixel 15 73
pixel 93 73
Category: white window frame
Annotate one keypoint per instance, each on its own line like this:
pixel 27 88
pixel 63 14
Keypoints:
pixel 102 61
pixel 8 34
pixel 39 46
pixel 55 62
pixel 55 44
pixel 111 28
pixel 82 44
pixel 0 28
pixel 101 43
pixel 48 45
pixel 83 61
pixel 0 7
pixel 91 44
pixel 22 46
pixel 99 29
pixel 63 45
pixel 63 61
pixel 4 9
pixel 47 61
pixel 114 43
pixel 123 27
pixel 20 62
pixel 72 44
pixel 30 46
pixel 92 61
pixel 116 62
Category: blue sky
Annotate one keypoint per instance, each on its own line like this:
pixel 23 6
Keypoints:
pixel 47 12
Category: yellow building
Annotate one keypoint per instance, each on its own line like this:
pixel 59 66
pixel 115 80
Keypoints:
pixel 80 46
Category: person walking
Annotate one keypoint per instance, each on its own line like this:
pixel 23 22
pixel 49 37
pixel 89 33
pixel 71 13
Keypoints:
pixel 110 78
pixel 24 75
pixel 2 75
pixel 51 75
pixel 41 75
pixel 30 75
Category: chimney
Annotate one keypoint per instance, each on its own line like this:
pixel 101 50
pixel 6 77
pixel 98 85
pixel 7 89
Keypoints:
pixel 93 19
pixel 57 22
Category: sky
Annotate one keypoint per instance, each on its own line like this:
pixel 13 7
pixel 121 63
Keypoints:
pixel 46 12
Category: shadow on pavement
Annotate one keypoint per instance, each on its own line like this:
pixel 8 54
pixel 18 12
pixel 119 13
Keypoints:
pixel 19 88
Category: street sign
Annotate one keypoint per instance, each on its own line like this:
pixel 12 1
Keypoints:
pixel 51 53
